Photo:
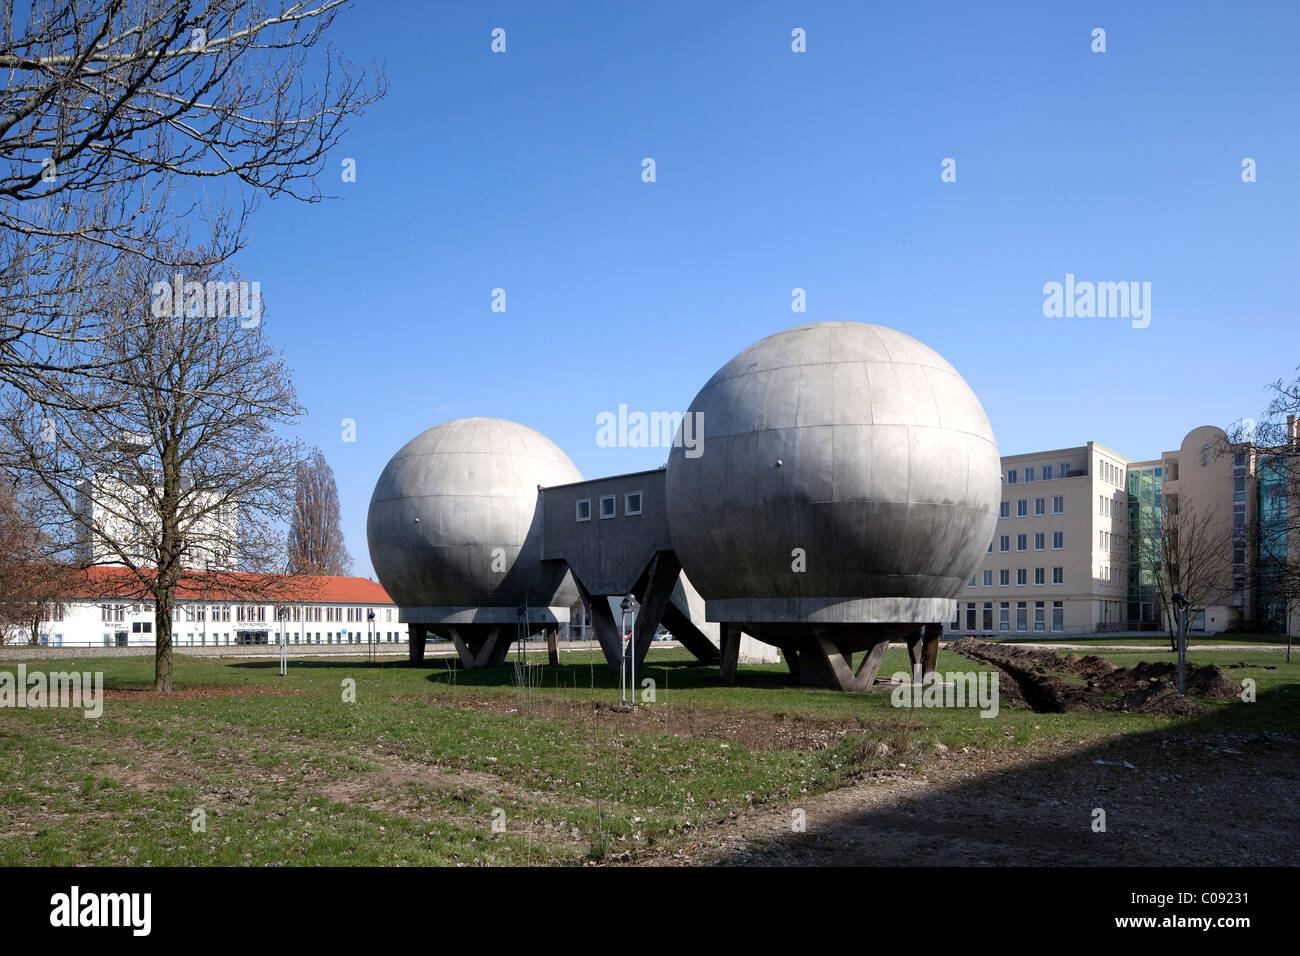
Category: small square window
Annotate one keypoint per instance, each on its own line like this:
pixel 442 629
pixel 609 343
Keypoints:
pixel 584 509
pixel 607 507
pixel 632 503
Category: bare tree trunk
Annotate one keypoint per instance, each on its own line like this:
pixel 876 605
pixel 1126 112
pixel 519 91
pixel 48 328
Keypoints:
pixel 162 658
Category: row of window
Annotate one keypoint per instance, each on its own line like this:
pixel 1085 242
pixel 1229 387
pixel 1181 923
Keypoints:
pixel 244 613
pixel 1110 473
pixel 631 506
pixel 1022 577
pixel 985 617
pixel 216 640
pixel 1047 472
pixel 1022 542
pixel 1040 507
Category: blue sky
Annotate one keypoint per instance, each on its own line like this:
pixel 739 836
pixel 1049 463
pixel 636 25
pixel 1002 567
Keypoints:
pixel 775 170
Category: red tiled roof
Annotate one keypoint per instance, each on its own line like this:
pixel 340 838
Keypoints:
pixel 237 586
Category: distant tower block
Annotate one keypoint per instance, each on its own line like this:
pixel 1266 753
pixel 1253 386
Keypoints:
pixel 847 489
pixel 454 531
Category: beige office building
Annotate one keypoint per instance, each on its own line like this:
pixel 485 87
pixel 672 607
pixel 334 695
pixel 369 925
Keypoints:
pixel 1060 561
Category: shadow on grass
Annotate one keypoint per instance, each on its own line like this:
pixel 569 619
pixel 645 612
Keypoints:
pixel 1214 789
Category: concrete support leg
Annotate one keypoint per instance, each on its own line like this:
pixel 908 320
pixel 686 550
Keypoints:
pixel 493 651
pixel 791 657
pixel 930 656
pixel 825 664
pixel 659 580
pixel 923 649
pixel 490 652
pixel 417 635
pixel 729 651
pixel 603 623
pixel 553 644
pixel 462 649
pixel 870 666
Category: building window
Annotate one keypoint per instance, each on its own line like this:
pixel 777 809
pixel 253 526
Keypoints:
pixel 1022 508
pixel 1058 615
pixel 632 503
pixel 1004 510
pixel 1029 474
pixel 1065 468
pixel 583 509
pixel 1021 614
pixel 988 579
pixel 970 615
pixel 1040 541
pixel 607 506
pixel 990 547
pixel 956 616
pixel 1047 473
pixel 1040 575
pixel 1040 506
pixel 1038 615
pixel 1022 542
pixel 1058 540
pixel 1004 616
pixel 987 616
pixel 971 584
pixel 1011 477
pixel 1004 543
pixel 1004 577
pixel 1058 505
pixel 1021 577
pixel 1058 575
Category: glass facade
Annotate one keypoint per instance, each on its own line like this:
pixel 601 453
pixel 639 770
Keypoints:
pixel 1145 507
pixel 1271 545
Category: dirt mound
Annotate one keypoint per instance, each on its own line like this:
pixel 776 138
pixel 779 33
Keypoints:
pixel 1052 683
pixel 1202 680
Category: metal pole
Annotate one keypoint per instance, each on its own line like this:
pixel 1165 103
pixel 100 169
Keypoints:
pixel 1182 652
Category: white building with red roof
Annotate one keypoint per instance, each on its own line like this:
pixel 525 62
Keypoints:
pixel 111 608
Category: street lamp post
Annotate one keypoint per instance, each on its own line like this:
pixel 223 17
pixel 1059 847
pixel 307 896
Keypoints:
pixel 370 636
pixel 627 666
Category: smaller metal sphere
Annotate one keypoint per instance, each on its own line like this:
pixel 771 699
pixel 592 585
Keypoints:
pixel 454 519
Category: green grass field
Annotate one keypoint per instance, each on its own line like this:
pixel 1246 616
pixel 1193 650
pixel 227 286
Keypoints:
pixel 437 765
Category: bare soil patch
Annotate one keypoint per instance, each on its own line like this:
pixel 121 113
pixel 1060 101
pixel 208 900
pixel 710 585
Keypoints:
pixel 201 692
pixel 755 730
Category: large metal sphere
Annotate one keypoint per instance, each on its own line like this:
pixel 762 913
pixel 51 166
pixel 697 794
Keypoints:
pixel 853 443
pixel 454 519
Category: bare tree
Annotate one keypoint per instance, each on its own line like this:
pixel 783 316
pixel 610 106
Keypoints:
pixel 316 535
pixel 174 466
pixel 1185 550
pixel 109 108
pixel 36 579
